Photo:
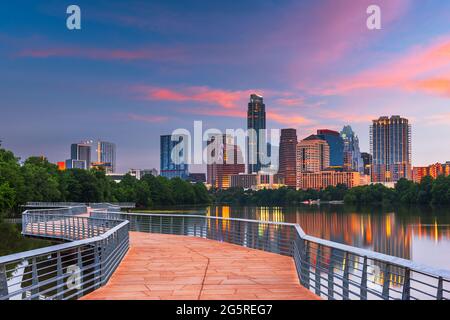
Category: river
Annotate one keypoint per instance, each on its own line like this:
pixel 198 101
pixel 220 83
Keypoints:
pixel 418 234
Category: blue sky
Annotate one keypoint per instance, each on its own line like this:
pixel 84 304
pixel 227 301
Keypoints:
pixel 139 69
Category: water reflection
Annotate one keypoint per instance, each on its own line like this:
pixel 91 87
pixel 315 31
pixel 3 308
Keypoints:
pixel 12 241
pixel 421 235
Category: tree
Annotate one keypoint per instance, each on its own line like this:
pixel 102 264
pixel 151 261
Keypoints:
pixel 7 198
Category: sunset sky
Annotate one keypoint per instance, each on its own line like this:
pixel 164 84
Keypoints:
pixel 139 69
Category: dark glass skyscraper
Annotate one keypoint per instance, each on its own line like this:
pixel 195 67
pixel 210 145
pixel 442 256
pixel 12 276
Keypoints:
pixel 287 157
pixel 256 119
pixel 390 144
pixel 367 161
pixel 352 153
pixel 173 165
pixel 336 144
pixel 81 152
pixel 106 155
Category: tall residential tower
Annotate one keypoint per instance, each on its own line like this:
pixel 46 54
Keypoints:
pixel 106 156
pixel 173 164
pixel 287 157
pixel 256 143
pixel 390 145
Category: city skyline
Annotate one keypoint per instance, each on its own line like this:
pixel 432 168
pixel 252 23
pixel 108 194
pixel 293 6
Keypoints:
pixel 130 76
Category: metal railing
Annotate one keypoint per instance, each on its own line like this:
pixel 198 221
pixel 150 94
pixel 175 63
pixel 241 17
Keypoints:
pixel 123 205
pixel 329 269
pixel 65 271
pixel 51 204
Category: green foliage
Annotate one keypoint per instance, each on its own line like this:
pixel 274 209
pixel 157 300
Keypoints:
pixel 39 180
pixel 427 192
pixel 277 197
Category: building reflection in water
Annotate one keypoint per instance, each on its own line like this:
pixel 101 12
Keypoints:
pixel 388 232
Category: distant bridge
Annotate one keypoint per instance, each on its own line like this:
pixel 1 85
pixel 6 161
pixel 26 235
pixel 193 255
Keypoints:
pixel 109 254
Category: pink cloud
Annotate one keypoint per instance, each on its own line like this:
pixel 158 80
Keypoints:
pixel 147 118
pixel 225 98
pixel 410 71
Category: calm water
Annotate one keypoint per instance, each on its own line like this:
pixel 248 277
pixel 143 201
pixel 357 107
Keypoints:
pixel 12 241
pixel 421 235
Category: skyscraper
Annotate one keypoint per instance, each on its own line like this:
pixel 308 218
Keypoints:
pixel 287 157
pixel 367 161
pixel 106 156
pixel 352 153
pixel 313 154
pixel 256 143
pixel 81 152
pixel 173 164
pixel 336 144
pixel 225 159
pixel 390 144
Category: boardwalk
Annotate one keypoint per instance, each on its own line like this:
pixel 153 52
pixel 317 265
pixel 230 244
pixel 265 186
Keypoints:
pixel 171 267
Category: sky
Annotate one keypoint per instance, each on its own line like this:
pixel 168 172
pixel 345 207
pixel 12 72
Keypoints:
pixel 140 69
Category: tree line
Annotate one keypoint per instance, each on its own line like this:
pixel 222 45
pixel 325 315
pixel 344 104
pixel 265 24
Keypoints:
pixel 277 197
pixel 39 180
pixel 428 192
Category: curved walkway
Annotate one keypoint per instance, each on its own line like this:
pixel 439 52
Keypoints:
pixel 171 267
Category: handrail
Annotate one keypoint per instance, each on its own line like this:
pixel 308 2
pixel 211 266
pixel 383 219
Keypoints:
pixel 354 250
pixel 332 270
pixel 100 241
pixel 69 270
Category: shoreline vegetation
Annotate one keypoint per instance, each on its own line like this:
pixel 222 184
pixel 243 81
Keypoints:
pixel 39 180
pixel 429 192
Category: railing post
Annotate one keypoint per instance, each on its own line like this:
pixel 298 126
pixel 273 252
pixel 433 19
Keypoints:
pixel 317 273
pixel 364 280
pixel 59 275
pixel 182 226
pixel 331 276
pixel 34 280
pixel 3 282
pixel 345 282
pixel 406 293
pixel 440 290
pixel 386 282
pixel 80 266
pixel 83 228
pixel 305 264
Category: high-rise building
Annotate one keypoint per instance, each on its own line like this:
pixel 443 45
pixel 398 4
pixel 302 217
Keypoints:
pixel 352 154
pixel 106 156
pixel 81 152
pixel 390 143
pixel 313 154
pixel 287 157
pixel 256 143
pixel 224 159
pixel 173 164
pixel 367 162
pixel 336 144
